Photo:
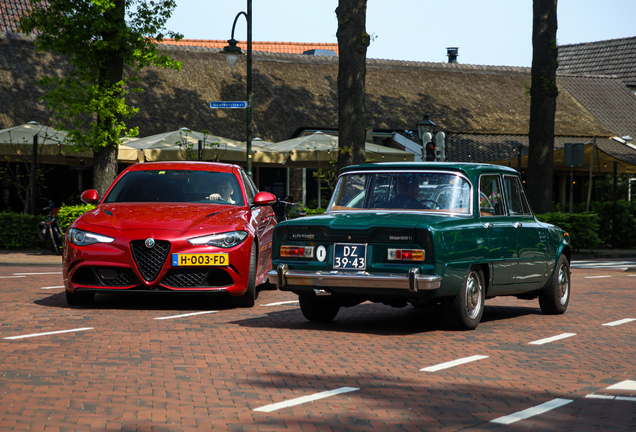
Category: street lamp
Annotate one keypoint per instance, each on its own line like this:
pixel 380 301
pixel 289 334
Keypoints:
pixel 232 51
pixel 425 125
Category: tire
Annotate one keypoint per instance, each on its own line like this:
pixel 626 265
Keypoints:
pixel 80 298
pixel 464 312
pixel 555 298
pixel 248 299
pixel 318 309
pixel 54 246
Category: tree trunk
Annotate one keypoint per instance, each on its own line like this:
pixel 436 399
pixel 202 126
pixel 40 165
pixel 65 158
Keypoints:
pixel 543 94
pixel 104 169
pixel 353 41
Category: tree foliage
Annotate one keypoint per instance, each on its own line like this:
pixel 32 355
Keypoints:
pixel 99 38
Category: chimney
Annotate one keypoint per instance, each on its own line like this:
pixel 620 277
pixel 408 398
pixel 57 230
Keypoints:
pixel 451 52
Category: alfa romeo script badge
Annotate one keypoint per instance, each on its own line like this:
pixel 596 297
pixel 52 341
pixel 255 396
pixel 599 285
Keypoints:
pixel 150 243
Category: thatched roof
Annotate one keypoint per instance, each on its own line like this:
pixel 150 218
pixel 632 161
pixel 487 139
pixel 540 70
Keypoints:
pixel 300 91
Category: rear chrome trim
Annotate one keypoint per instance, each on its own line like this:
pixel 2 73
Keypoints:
pixel 413 281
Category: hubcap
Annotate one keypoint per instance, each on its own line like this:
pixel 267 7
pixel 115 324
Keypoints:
pixel 564 285
pixel 473 296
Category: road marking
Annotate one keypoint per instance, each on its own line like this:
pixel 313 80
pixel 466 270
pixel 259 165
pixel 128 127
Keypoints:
pixel 596 277
pixel 49 333
pixel 53 287
pixel 186 315
pixel 619 322
pixel 602 264
pixel 304 399
pixel 31 274
pixel 281 303
pixel 450 364
pixel 623 398
pixel 531 412
pixel 624 385
pixel 552 339
pixel 10 277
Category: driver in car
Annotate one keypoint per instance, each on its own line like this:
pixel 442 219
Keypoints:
pixel 224 192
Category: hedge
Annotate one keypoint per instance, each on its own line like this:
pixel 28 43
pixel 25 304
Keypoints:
pixel 582 227
pixel 19 231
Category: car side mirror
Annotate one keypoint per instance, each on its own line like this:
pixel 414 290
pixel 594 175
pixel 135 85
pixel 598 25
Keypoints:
pixel 90 196
pixel 264 199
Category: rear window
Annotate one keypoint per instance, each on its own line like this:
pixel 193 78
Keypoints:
pixel 431 191
pixel 176 186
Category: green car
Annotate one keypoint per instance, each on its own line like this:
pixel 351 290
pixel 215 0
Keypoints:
pixel 429 234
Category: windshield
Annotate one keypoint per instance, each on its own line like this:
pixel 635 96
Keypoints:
pixel 431 191
pixel 180 186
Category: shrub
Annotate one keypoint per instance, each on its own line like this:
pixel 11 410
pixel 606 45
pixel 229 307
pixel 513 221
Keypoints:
pixel 315 211
pixel 582 227
pixel 625 222
pixel 19 231
pixel 68 214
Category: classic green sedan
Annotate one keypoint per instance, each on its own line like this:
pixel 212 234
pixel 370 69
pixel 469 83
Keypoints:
pixel 426 233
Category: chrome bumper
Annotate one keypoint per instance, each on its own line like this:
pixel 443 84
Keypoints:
pixel 412 281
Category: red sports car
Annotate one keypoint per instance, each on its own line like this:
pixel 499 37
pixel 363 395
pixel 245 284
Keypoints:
pixel 180 227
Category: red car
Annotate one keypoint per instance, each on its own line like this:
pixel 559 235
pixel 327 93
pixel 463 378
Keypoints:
pixel 179 227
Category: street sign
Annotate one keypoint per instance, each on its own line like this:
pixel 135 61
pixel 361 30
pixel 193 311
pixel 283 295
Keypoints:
pixel 231 104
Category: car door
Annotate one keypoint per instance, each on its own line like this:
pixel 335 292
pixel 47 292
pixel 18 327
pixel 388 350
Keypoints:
pixel 502 236
pixel 263 220
pixel 531 236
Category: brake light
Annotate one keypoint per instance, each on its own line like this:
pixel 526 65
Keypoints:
pixel 297 251
pixel 406 255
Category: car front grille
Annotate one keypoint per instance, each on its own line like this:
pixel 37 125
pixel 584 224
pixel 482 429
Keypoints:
pixel 150 260
pixel 124 277
pixel 199 277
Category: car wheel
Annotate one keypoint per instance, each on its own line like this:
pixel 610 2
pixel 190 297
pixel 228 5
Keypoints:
pixel 249 298
pixel 466 309
pixel 79 298
pixel 318 309
pixel 554 299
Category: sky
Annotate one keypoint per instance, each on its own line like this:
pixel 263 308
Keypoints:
pixel 487 32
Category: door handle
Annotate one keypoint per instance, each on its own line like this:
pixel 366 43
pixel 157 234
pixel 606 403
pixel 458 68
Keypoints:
pixel 488 225
pixel 517 224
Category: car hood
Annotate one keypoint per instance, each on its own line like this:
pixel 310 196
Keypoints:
pixel 178 217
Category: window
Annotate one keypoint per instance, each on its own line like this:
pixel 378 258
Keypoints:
pixel 490 196
pixel 515 196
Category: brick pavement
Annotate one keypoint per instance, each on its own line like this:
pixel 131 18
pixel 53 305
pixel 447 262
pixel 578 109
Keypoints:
pixel 208 372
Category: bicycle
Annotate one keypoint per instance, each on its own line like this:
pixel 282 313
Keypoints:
pixel 49 230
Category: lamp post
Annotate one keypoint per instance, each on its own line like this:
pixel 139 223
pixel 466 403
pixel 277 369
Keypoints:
pixel 232 51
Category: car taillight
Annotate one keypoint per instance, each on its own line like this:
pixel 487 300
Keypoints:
pixel 297 251
pixel 406 255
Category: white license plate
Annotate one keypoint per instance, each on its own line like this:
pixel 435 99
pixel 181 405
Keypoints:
pixel 350 256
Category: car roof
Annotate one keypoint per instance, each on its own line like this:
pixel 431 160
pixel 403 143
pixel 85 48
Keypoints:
pixel 469 169
pixel 184 165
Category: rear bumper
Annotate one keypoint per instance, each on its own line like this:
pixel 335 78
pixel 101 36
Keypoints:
pixel 413 281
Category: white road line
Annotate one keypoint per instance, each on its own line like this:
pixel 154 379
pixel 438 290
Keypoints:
pixel 453 363
pixel 10 277
pixel 552 339
pixel 281 303
pixel 31 274
pixel 53 287
pixel 304 399
pixel 624 385
pixel 623 398
pixel 631 275
pixel 186 315
pixel 619 322
pixel 49 333
pixel 531 412
pixel 596 277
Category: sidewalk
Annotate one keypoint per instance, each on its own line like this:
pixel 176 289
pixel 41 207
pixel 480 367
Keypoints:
pixel 29 258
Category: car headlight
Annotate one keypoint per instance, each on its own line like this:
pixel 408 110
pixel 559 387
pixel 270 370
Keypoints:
pixel 84 238
pixel 225 240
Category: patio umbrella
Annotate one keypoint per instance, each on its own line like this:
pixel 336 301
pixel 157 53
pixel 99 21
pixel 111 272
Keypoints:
pixel 16 144
pixel 182 144
pixel 320 148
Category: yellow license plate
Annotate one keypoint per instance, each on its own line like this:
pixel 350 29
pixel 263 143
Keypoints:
pixel 217 259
